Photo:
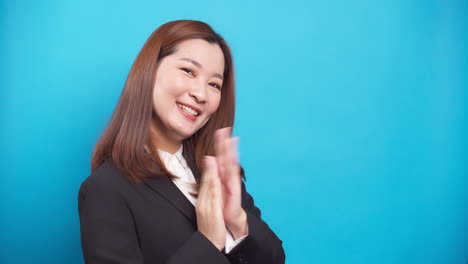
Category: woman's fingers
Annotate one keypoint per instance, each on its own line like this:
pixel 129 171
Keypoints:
pixel 234 146
pixel 227 158
pixel 227 155
pixel 230 155
pixel 210 181
pixel 232 181
pixel 221 136
pixel 209 207
pixel 210 169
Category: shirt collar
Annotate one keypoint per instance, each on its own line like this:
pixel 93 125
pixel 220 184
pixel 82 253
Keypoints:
pixel 166 156
pixel 177 154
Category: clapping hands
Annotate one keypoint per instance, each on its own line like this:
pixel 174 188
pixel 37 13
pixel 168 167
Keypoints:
pixel 219 200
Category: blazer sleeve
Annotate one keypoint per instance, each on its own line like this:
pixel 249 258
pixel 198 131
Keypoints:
pixel 261 245
pixel 108 233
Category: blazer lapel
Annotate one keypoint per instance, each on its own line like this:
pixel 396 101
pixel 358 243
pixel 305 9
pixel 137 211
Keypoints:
pixel 166 188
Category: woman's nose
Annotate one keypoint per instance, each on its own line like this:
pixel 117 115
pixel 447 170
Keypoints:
pixel 198 92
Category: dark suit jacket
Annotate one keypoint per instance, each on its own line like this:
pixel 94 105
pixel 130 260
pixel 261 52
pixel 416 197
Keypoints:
pixel 153 222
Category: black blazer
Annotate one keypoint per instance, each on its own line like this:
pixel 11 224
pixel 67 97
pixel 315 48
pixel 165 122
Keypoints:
pixel 153 222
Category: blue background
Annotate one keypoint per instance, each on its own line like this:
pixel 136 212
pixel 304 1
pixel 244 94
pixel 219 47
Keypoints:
pixel 352 117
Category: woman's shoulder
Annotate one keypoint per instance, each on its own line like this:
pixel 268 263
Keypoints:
pixel 106 177
pixel 104 189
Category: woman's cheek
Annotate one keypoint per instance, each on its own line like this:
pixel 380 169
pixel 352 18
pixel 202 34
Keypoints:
pixel 180 84
pixel 216 102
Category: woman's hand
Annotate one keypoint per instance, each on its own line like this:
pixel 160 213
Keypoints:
pixel 227 158
pixel 209 207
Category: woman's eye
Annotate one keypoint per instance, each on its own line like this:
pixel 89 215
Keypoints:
pixel 187 70
pixel 216 86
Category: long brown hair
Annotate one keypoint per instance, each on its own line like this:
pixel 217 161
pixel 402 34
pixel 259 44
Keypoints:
pixel 128 132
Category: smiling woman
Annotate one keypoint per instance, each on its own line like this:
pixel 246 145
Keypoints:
pixel 187 91
pixel 166 185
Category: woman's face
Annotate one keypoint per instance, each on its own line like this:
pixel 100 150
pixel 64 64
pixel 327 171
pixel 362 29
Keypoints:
pixel 187 89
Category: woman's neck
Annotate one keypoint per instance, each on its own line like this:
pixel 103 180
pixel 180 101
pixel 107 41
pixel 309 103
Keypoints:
pixel 166 144
pixel 168 147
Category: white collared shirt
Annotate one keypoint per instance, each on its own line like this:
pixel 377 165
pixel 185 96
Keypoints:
pixel 176 164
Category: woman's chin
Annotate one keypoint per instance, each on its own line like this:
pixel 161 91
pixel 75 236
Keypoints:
pixel 185 133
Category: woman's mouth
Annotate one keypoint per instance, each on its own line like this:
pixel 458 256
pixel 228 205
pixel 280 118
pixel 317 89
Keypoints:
pixel 189 112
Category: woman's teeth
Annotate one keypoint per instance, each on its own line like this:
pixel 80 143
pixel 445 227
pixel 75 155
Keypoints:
pixel 188 110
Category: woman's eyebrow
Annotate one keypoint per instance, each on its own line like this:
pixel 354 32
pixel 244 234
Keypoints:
pixel 196 63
